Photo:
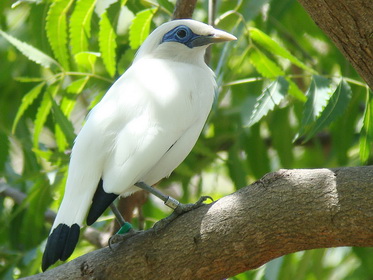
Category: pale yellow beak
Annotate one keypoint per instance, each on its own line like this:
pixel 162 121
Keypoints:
pixel 216 37
pixel 221 36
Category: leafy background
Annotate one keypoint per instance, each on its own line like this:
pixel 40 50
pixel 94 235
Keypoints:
pixel 287 98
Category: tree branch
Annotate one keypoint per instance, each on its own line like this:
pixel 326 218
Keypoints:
pixel 184 9
pixel 349 24
pixel 284 212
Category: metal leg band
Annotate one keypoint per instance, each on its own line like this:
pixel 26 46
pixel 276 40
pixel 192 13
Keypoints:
pixel 172 202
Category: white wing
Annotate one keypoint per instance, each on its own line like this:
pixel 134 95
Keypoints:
pixel 167 111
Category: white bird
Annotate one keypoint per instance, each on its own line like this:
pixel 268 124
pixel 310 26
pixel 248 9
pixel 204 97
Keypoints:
pixel 141 130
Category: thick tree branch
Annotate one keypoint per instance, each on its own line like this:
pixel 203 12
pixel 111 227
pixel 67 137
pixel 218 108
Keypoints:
pixel 349 24
pixel 284 212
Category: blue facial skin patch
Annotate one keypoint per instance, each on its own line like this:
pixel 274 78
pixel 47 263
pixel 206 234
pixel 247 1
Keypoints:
pixel 184 35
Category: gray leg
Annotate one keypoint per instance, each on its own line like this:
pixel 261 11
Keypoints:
pixel 117 214
pixel 178 207
pixel 126 231
pixel 168 200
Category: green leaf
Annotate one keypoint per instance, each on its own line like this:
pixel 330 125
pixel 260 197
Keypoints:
pixel 317 96
pixel 63 123
pixel 29 79
pixel 107 43
pixel 78 85
pixel 264 65
pixel 96 99
pixel 236 167
pixel 272 46
pixel 167 5
pixel 56 28
pixel 366 133
pixel 4 150
pixel 295 91
pixel 256 152
pixel 43 112
pixel 37 201
pixel 64 131
pixel 282 133
pixel 343 130
pixel 140 27
pixel 86 60
pixel 271 96
pixel 26 102
pixel 30 52
pixel 337 104
pixel 80 25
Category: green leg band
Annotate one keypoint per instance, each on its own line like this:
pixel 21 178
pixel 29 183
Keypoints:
pixel 125 228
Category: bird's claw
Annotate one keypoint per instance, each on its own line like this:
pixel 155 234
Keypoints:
pixel 183 208
pixel 179 210
pixel 120 237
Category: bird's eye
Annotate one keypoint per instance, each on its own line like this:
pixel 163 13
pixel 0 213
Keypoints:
pixel 182 33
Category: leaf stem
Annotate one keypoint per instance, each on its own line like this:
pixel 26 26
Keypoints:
pixel 255 79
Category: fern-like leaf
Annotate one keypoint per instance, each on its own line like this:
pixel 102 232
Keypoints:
pixel 43 112
pixel 80 25
pixel 318 95
pixel 108 44
pixel 140 27
pixel 272 46
pixel 336 106
pixel 56 28
pixel 366 133
pixel 26 102
pixel 264 65
pixel 30 52
pixel 271 96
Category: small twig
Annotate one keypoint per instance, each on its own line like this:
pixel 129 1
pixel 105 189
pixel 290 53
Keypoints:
pixel 211 21
pixel 212 12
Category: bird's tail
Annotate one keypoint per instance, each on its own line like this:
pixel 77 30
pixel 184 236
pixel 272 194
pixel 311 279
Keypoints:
pixel 61 244
pixel 64 234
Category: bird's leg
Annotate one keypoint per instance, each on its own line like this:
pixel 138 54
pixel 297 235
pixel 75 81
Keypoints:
pixel 117 214
pixel 126 231
pixel 179 208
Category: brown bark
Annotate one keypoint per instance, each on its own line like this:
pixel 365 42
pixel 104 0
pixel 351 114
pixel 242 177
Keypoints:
pixel 284 212
pixel 184 9
pixel 349 23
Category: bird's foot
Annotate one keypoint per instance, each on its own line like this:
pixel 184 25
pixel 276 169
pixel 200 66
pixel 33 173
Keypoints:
pixel 179 210
pixel 183 208
pixel 124 233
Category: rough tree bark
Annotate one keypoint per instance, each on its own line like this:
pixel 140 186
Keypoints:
pixel 349 23
pixel 184 9
pixel 284 212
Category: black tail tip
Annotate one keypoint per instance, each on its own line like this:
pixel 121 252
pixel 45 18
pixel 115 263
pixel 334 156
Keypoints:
pixel 60 245
pixel 101 200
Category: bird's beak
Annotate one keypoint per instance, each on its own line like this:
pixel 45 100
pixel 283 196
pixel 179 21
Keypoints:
pixel 216 37
pixel 221 36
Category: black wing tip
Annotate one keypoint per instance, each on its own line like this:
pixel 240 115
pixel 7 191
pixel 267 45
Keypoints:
pixel 60 245
pixel 101 200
